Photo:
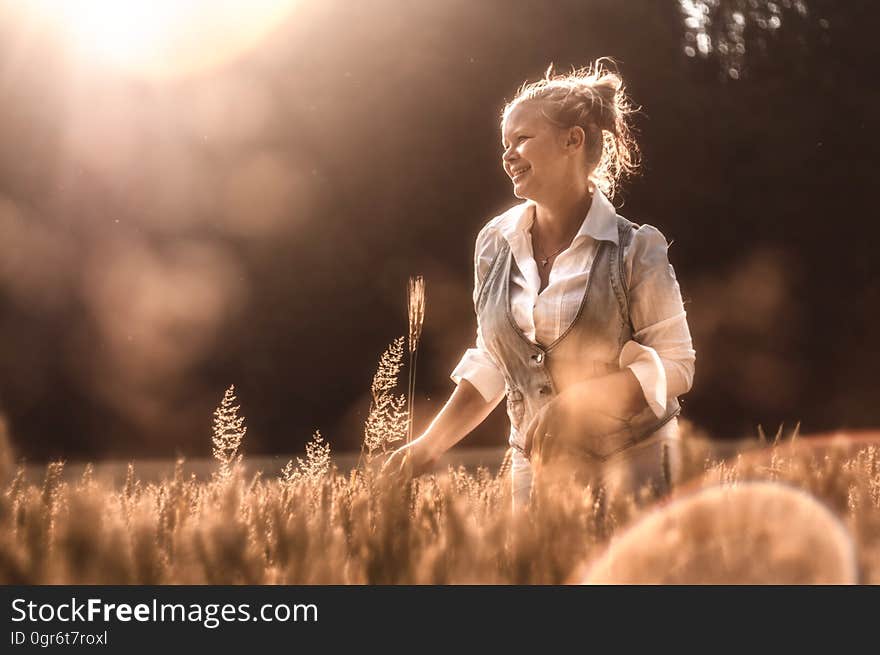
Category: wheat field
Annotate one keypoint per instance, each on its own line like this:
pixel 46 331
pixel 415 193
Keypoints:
pixel 311 523
pixel 316 525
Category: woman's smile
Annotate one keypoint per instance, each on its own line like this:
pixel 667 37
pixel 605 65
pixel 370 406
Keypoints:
pixel 517 173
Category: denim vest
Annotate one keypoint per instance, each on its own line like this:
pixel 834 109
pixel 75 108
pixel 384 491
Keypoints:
pixel 588 348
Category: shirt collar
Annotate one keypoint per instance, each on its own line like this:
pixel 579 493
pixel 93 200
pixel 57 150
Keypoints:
pixel 600 222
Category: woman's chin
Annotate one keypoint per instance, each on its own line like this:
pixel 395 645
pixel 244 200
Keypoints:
pixel 521 191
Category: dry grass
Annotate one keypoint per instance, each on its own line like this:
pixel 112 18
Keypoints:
pixel 313 524
pixel 733 535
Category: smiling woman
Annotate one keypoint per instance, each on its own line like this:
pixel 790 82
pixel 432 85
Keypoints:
pixel 161 38
pixel 580 320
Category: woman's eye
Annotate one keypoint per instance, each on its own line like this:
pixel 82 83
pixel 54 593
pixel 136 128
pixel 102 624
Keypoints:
pixel 517 140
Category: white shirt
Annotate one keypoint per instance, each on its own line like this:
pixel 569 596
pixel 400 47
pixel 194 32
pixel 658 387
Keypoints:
pixel 661 354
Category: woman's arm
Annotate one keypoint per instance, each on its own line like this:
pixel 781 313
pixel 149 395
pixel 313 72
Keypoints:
pixel 464 411
pixel 480 384
pixel 600 405
pixel 661 355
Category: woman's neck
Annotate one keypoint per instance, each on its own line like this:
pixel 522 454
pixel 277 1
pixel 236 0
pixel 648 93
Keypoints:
pixel 558 220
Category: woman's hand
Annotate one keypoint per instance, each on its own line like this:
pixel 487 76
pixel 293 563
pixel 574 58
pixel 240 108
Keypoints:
pixel 576 419
pixel 409 461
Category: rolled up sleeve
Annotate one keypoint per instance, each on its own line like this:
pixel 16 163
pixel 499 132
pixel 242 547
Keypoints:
pixel 661 353
pixel 476 365
pixel 646 365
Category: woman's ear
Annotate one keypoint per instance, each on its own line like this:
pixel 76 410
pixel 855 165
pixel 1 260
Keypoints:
pixel 576 137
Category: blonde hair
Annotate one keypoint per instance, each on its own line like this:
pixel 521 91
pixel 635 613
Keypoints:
pixel 593 99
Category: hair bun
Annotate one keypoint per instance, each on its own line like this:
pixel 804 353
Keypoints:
pixel 604 93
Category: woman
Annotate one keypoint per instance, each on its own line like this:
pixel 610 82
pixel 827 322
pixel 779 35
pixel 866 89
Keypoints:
pixel 580 321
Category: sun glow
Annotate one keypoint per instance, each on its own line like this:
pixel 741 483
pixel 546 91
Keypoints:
pixel 164 38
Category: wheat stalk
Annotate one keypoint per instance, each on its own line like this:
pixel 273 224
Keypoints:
pixel 416 304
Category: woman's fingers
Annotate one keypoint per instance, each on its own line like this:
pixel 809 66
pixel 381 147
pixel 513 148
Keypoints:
pixel 529 445
pixel 404 463
pixel 548 447
pixel 393 466
pixel 536 433
pixel 400 463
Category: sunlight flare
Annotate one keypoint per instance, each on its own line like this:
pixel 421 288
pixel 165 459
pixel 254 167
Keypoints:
pixel 163 38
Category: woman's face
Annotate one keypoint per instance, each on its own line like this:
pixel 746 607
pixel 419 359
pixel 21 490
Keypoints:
pixel 535 154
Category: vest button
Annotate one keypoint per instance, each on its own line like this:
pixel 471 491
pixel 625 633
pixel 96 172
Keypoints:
pixel 544 389
pixel 539 358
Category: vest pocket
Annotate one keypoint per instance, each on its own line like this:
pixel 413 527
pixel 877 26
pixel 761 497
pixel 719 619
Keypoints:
pixel 516 407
